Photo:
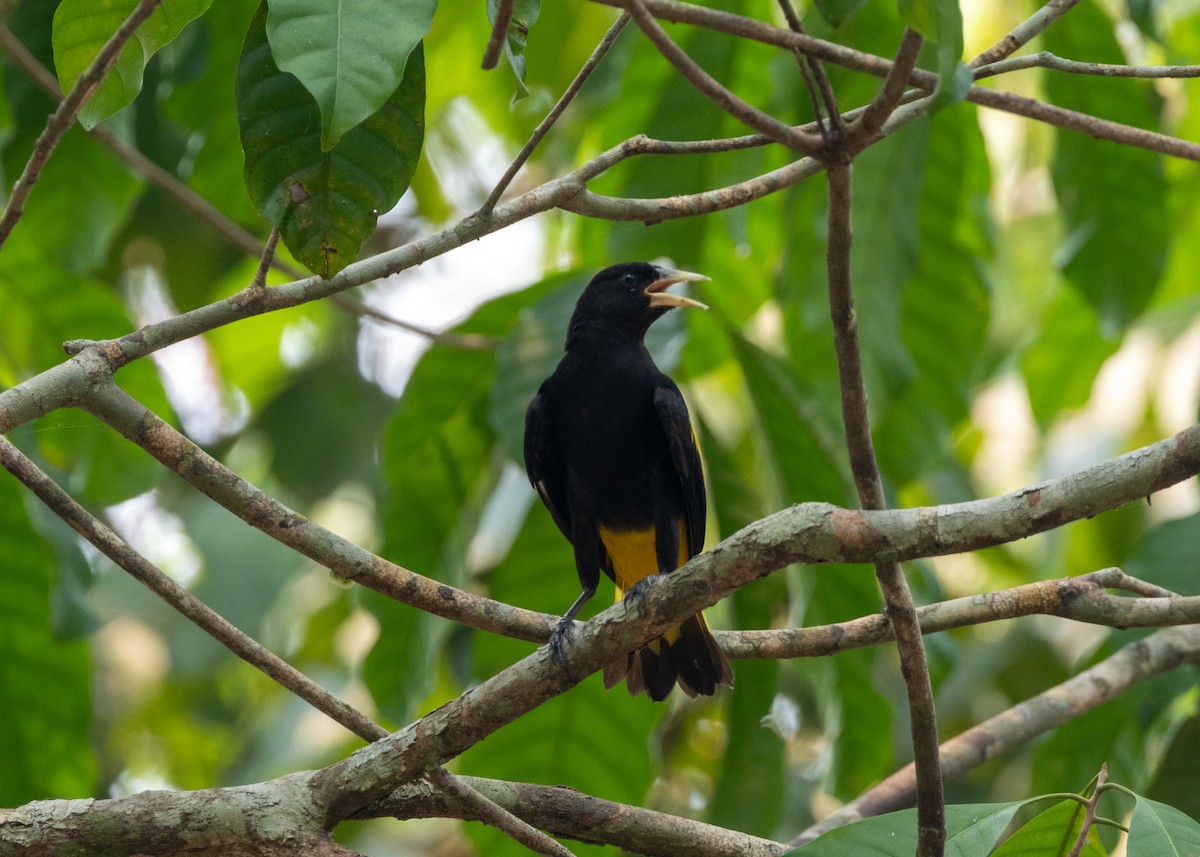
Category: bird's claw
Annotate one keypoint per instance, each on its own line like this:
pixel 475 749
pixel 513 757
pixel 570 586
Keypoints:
pixel 635 593
pixel 563 633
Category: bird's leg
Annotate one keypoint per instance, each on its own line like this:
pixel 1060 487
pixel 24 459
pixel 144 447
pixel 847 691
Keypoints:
pixel 565 630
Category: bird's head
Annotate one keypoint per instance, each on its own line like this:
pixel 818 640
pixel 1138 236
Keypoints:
pixel 622 301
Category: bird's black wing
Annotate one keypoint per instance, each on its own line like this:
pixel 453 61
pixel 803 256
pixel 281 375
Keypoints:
pixel 542 461
pixel 673 415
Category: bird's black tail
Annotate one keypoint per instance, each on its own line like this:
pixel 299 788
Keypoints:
pixel 686 653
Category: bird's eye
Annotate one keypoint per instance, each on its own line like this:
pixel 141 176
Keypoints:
pixel 628 280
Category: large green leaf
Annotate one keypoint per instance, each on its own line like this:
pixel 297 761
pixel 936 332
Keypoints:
pixel 45 683
pixel 1112 198
pixel 81 28
pixel 350 55
pixel 325 203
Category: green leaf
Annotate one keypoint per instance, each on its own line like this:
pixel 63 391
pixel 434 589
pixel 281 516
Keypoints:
pixel 350 55
pixel 524 16
pixel 1112 198
pixel 1158 830
pixel 325 203
pixel 82 27
pixel 1052 833
pixel 940 21
pixel 45 683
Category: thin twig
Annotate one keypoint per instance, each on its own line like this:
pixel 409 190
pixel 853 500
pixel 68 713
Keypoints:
pixel 816 80
pixel 1045 59
pixel 716 91
pixel 62 118
pixel 1089 814
pixel 931 825
pixel 887 98
pixel 491 54
pixel 1024 32
pixel 557 110
pixel 1081 599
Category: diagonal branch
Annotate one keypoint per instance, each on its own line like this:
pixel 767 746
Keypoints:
pixel 246 647
pixel 1107 680
pixel 62 118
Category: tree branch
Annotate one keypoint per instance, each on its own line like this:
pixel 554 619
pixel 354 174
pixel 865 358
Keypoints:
pixel 63 117
pixel 1161 651
pixel 739 25
pixel 764 123
pixel 1081 599
pixel 1045 59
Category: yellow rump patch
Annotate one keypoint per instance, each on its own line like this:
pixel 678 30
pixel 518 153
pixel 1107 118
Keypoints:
pixel 633 557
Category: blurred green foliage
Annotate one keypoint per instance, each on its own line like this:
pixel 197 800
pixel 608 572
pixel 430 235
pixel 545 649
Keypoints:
pixel 1027 305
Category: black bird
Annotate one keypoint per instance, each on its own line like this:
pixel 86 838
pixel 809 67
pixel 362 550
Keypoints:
pixel 611 451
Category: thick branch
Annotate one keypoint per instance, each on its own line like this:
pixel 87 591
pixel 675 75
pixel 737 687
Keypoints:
pixel 62 118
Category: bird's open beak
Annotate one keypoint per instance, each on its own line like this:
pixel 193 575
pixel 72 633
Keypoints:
pixel 668 277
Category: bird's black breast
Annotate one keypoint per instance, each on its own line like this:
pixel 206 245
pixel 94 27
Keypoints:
pixel 611 442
